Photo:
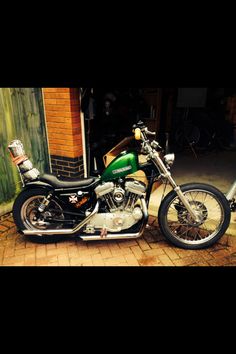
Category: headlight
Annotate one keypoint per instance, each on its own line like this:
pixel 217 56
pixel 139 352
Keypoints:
pixel 169 159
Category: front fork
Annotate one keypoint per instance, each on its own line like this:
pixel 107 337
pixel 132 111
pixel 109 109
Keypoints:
pixel 231 195
pixel 166 174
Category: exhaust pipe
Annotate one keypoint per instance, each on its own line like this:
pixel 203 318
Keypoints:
pixel 61 231
pixel 125 235
pixel 91 237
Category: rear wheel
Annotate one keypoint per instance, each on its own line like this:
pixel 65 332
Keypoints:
pixel 27 216
pixel 212 208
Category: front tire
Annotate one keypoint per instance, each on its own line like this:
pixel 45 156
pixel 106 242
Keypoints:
pixel 23 214
pixel 211 205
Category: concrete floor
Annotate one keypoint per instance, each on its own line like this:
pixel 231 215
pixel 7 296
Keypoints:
pixel 217 168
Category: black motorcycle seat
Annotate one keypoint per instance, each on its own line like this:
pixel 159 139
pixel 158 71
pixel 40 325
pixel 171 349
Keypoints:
pixel 66 183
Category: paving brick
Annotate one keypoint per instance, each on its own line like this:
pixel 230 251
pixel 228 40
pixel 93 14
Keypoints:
pixel 51 246
pixel 220 253
pixel 97 260
pixel 13 260
pixel 73 247
pixel 149 261
pixel 75 262
pixel 30 260
pixel 8 224
pixel 57 251
pixel 200 264
pixel 63 260
pixel 150 250
pixel 127 243
pixel 205 254
pixel 165 260
pixel 89 251
pixel 171 253
pixel 126 251
pixel 25 251
pixel 143 244
pixel 41 252
pixel 9 252
pixel 122 264
pixel 137 251
pixel 115 250
pixel 73 253
pixel 159 245
pixel 87 263
pixel 131 260
pixel 150 238
pixel 30 244
pixel 154 252
pixel 20 243
pixel 184 261
pixel 105 252
pixel 3 228
pixel 42 261
pixel 53 264
pixel 183 253
pixel 63 244
pixel 52 259
pixel 114 261
pixel 218 261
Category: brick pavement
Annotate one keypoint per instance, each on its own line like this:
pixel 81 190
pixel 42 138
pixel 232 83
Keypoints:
pixel 150 250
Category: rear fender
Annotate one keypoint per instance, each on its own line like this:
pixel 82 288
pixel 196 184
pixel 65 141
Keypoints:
pixel 38 184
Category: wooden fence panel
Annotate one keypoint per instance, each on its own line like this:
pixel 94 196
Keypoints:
pixel 21 117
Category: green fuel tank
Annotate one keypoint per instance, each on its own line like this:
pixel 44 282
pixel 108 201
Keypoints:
pixel 124 164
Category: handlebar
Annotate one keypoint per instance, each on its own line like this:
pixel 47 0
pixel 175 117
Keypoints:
pixel 140 127
pixel 140 134
pixel 150 133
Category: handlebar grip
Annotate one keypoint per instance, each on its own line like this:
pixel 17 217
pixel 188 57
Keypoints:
pixel 137 134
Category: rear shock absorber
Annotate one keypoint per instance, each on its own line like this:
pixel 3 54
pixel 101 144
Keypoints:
pixel 44 203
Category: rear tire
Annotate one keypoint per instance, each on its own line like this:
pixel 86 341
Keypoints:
pixel 21 224
pixel 175 222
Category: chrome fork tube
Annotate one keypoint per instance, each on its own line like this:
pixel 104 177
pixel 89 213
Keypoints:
pixel 232 192
pixel 160 165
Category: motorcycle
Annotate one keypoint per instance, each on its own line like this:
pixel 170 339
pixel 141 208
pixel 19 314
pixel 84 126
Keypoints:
pixel 114 205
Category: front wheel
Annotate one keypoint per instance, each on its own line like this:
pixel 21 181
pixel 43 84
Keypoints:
pixel 211 206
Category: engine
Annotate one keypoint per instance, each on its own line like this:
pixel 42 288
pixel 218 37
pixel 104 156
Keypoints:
pixel 122 207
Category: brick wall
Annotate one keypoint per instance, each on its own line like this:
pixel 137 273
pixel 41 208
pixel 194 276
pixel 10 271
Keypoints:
pixel 62 111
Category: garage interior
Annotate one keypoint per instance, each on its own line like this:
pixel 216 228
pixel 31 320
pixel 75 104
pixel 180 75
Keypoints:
pixel 198 123
pixel 194 120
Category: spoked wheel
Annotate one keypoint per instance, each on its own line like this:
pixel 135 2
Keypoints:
pixel 32 219
pixel 209 204
pixel 27 216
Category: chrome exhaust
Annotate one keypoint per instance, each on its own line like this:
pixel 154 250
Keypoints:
pixel 121 236
pixel 61 231
pixel 93 238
